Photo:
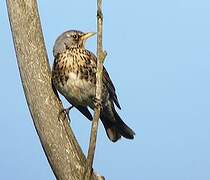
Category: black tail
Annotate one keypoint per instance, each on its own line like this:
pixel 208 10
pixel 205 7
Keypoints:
pixel 115 127
pixel 123 129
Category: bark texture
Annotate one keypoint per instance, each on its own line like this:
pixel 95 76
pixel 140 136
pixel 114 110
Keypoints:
pixel 61 148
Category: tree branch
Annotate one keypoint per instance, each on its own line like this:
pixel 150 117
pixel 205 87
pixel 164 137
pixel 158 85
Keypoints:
pixel 60 146
pixel 100 59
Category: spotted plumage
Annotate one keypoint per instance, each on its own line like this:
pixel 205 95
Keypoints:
pixel 74 76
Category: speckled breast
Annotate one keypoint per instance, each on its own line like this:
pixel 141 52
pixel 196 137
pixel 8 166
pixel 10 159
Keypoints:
pixel 74 76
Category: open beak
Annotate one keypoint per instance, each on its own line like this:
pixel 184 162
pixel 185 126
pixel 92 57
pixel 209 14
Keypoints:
pixel 87 35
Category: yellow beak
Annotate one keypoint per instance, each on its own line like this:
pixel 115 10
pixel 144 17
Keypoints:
pixel 87 35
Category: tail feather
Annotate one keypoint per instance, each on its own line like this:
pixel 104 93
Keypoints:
pixel 114 126
pixel 123 129
pixel 111 130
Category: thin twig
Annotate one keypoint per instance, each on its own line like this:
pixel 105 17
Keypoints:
pixel 100 56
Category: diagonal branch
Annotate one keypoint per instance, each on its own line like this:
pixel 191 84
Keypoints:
pixel 60 146
pixel 100 59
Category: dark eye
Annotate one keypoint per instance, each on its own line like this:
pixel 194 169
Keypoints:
pixel 75 36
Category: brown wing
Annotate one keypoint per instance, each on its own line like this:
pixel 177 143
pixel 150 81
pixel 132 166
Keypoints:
pixel 106 80
pixel 110 86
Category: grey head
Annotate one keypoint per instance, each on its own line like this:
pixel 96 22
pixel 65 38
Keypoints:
pixel 70 39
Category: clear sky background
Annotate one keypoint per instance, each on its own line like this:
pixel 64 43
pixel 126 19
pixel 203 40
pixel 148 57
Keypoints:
pixel 159 60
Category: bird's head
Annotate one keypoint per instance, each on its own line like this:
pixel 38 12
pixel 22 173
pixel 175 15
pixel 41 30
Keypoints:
pixel 70 39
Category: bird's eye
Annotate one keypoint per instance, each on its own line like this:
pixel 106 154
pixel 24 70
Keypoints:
pixel 75 36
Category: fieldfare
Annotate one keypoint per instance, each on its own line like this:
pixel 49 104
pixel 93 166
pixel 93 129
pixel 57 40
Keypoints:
pixel 74 76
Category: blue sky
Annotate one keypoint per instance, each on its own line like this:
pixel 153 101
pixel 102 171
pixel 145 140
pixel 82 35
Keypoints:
pixel 159 60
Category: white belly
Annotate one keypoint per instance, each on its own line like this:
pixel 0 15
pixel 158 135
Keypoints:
pixel 78 91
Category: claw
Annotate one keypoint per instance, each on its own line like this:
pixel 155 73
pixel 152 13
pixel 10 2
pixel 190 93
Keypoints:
pixel 97 102
pixel 99 14
pixel 66 111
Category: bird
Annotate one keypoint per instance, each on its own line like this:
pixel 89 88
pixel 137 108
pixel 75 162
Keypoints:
pixel 74 76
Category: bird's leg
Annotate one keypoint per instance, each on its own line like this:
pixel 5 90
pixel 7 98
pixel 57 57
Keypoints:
pixel 97 102
pixel 66 111
pixel 100 14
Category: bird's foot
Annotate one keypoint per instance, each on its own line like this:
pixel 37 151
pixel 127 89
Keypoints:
pixel 100 14
pixel 66 111
pixel 97 102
